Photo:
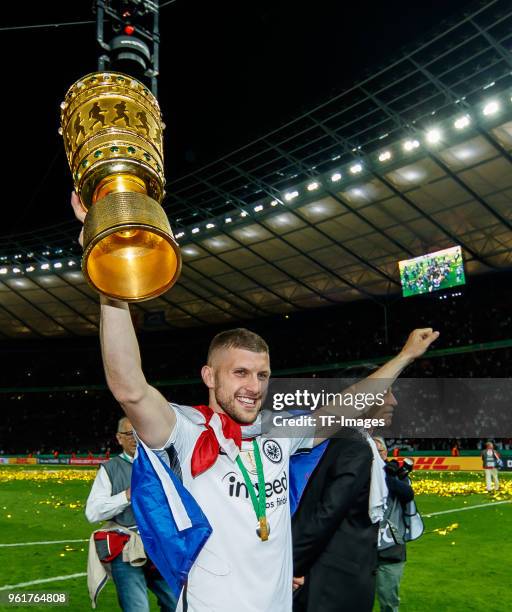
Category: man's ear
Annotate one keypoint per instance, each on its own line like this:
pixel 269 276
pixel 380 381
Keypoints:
pixel 208 376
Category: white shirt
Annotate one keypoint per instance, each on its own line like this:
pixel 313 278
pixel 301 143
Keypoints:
pixel 236 571
pixel 101 504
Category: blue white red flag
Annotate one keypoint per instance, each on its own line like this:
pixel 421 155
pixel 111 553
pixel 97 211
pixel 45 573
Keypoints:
pixel 172 525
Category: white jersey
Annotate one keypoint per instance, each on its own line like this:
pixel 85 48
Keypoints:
pixel 236 571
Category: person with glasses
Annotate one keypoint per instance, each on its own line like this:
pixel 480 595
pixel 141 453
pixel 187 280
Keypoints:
pixel 116 548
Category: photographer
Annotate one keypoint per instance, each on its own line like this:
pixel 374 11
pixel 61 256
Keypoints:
pixel 401 523
pixel 491 463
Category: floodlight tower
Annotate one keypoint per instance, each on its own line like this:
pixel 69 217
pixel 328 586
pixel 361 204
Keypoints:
pixel 128 34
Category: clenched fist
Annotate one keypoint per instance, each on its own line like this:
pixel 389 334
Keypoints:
pixel 418 342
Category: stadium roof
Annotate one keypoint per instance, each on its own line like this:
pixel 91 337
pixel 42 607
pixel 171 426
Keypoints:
pixel 414 158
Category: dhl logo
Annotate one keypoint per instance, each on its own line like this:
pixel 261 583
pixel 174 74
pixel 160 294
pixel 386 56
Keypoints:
pixel 435 463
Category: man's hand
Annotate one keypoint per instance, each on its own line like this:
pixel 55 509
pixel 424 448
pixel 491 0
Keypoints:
pixel 129 494
pixel 298 582
pixel 79 214
pixel 418 342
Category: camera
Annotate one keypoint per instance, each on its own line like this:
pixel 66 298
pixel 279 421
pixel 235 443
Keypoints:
pixel 401 471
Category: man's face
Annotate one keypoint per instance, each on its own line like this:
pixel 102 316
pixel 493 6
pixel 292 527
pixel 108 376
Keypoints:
pixel 382 449
pixel 126 438
pixel 239 381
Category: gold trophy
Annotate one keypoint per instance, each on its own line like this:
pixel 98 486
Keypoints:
pixel 112 129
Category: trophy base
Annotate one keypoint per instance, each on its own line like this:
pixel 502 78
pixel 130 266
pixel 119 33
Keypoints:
pixel 129 251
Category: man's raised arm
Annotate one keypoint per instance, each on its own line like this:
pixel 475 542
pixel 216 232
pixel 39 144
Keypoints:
pixel 146 407
pixel 379 381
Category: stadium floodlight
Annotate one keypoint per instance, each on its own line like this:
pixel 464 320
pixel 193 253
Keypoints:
pixel 180 234
pixel 71 263
pixel 291 195
pixel 57 265
pixel 16 270
pixel 274 203
pixel 313 185
pixel 410 145
pixel 244 213
pixel 434 136
pixel 356 168
pixel 336 177
pixel 258 208
pixel 491 108
pixel 195 230
pixel 210 225
pixel 461 122
pixel 30 269
pixel 3 270
pixel 385 156
pixel 45 266
pixel 228 220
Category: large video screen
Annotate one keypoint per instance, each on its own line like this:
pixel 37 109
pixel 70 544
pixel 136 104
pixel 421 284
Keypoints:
pixel 432 272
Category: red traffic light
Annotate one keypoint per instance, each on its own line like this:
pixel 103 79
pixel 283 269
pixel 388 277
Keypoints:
pixel 129 29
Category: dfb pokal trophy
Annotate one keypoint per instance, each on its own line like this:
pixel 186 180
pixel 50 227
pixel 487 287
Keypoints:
pixel 112 129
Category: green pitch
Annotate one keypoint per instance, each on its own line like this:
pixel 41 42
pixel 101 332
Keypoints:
pixel 460 564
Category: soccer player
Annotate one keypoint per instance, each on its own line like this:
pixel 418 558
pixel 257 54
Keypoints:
pixel 246 564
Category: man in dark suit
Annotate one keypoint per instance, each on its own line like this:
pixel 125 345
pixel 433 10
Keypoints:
pixel 334 539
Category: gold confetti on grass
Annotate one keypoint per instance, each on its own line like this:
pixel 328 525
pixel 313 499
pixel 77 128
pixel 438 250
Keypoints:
pixel 59 503
pixel 55 476
pixel 453 484
pixel 442 531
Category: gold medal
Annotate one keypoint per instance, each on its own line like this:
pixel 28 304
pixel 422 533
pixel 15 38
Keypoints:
pixel 259 500
pixel 263 530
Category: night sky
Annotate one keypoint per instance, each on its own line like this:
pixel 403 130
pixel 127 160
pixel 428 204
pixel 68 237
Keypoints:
pixel 229 72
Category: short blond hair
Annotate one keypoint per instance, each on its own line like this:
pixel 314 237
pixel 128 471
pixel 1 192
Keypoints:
pixel 237 338
pixel 381 441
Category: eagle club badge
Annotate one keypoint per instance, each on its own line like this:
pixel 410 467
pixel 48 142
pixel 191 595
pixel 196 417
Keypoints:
pixel 272 451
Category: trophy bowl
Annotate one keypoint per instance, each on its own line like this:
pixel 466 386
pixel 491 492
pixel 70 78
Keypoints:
pixel 112 130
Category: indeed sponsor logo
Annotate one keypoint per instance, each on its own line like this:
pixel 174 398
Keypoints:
pixel 238 488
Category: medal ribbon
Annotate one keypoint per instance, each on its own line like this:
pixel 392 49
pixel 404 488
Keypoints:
pixel 259 502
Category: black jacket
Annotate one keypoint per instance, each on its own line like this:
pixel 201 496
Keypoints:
pixel 334 541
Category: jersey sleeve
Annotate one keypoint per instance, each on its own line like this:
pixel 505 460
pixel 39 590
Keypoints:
pixel 184 435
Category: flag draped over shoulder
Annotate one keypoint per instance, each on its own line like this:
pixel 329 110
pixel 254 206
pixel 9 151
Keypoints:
pixel 172 525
